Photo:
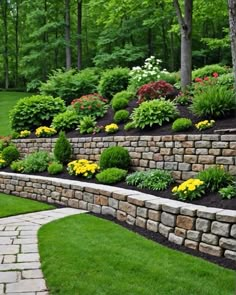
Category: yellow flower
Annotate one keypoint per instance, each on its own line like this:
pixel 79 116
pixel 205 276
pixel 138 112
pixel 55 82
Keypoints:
pixel 174 190
pixel 111 128
pixel 192 187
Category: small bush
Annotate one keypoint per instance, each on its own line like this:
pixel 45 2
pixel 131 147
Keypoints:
pixel 119 103
pixel 214 102
pixel 155 112
pixel 128 126
pixel 10 154
pixel 208 71
pixel 17 166
pixel 36 162
pixel 62 150
pixel 228 192
pixel 87 125
pixel 226 80
pixel 55 168
pixel 154 90
pixel 183 99
pixel 116 156
pixel 215 178
pixel 121 116
pixel 128 95
pixel 111 175
pixel 66 121
pixel 4 142
pixel 32 112
pixel 153 179
pixel 113 81
pixel 181 124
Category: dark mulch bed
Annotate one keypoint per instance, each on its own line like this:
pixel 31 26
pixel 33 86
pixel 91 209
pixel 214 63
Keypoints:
pixel 210 200
pixel 158 238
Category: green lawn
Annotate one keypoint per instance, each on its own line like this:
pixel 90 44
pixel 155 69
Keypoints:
pixel 7 101
pixel 86 255
pixel 11 205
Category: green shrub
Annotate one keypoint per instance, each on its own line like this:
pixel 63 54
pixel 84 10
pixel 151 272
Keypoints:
pixel 215 178
pixel 208 70
pixel 226 80
pixel 119 103
pixel 17 166
pixel 121 116
pixel 62 150
pixel 128 95
pixel 181 124
pixel 153 179
pixel 111 175
pixel 115 156
pixel 155 112
pixel 65 121
pixel 55 168
pixel 32 112
pixel 36 162
pixel 228 192
pixel 183 99
pixel 128 126
pixel 113 81
pixel 10 154
pixel 214 102
pixel 4 142
pixel 87 125
pixel 71 84
pixel 171 78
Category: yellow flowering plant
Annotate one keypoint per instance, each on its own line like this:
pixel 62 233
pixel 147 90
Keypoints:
pixel 189 189
pixel 2 162
pixel 24 133
pixel 45 131
pixel 111 128
pixel 202 125
pixel 83 168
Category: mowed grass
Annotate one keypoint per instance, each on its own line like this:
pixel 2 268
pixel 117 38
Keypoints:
pixel 7 102
pixel 11 205
pixel 86 255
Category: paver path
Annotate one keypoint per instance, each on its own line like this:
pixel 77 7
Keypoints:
pixel 20 268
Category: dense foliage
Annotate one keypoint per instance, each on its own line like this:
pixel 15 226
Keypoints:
pixel 111 175
pixel 121 116
pixel 36 162
pixel 62 150
pixel 181 124
pixel 115 156
pixel 66 121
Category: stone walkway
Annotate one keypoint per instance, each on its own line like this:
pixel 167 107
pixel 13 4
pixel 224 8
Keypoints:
pixel 20 268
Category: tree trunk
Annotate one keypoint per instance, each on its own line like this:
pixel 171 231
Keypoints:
pixel 67 34
pixel 232 25
pixel 17 43
pixel 5 52
pixel 79 30
pixel 185 23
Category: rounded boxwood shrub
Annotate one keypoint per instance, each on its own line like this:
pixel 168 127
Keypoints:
pixel 10 154
pixel 182 124
pixel 214 102
pixel 66 121
pixel 62 150
pixel 121 116
pixel 128 95
pixel 119 103
pixel 115 156
pixel 113 81
pixel 32 112
pixel 55 168
pixel 111 175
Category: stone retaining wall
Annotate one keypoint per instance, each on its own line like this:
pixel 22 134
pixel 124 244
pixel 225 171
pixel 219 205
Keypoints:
pixel 208 230
pixel 183 154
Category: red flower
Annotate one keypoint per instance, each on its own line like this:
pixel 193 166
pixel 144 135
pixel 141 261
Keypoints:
pixel 215 75
pixel 206 78
pixel 198 80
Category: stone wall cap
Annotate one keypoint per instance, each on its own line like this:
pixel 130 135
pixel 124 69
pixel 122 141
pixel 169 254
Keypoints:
pixel 154 204
pixel 190 209
pixel 208 212
pixel 226 216
pixel 140 199
pixel 172 206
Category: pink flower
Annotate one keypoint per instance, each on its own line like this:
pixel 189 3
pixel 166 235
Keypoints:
pixel 215 75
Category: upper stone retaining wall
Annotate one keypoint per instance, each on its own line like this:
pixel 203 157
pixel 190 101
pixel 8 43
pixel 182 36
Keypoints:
pixel 183 154
pixel 208 230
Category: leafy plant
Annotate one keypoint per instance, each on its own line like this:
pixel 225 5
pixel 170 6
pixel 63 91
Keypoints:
pixel 181 124
pixel 83 168
pixel 154 179
pixel 10 154
pixel 66 121
pixel 32 112
pixel 17 166
pixel 208 71
pixel 87 125
pixel 121 116
pixel 55 168
pixel 119 103
pixel 62 150
pixel 154 90
pixel 128 95
pixel 113 81
pixel 228 192
pixel 44 131
pixel 155 112
pixel 115 156
pixel 111 175
pixel 36 162
pixel 92 104
pixel 226 80
pixel 183 99
pixel 189 189
pixel 214 102
pixel 215 178
pixel 128 126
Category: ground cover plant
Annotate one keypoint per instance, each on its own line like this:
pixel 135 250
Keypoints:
pixel 11 205
pixel 97 251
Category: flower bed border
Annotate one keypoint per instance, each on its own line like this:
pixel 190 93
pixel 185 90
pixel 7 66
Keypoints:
pixel 208 230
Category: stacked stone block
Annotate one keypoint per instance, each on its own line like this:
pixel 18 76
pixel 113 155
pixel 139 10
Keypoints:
pixel 204 229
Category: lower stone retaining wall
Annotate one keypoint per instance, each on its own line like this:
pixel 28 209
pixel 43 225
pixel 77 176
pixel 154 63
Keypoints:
pixel 208 230
pixel 185 155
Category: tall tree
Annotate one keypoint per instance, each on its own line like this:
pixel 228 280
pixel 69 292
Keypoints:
pixel 185 23
pixel 79 31
pixel 4 7
pixel 67 34
pixel 232 24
